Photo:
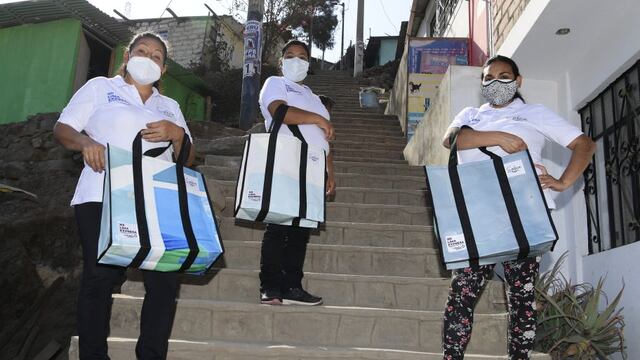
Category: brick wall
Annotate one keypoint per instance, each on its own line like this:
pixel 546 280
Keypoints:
pixel 505 15
pixel 185 37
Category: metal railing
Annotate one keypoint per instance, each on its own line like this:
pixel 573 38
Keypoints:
pixel 612 180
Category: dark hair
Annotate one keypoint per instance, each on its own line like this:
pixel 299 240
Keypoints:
pixel 514 69
pixel 295 42
pixel 136 39
pixel 327 101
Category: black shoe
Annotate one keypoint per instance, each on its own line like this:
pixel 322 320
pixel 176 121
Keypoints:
pixel 271 297
pixel 298 296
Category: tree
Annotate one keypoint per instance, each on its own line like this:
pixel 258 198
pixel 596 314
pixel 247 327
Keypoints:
pixel 286 19
pixel 324 24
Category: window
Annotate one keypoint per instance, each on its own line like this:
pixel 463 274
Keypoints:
pixel 612 180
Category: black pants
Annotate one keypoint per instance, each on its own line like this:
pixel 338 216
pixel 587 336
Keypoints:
pixel 282 257
pixel 94 299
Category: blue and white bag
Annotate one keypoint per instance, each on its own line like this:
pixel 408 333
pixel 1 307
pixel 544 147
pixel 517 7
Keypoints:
pixel 489 211
pixel 156 214
pixel 282 178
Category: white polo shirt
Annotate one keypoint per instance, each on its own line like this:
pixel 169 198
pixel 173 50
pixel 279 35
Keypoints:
pixel 296 95
pixel 533 123
pixel 111 111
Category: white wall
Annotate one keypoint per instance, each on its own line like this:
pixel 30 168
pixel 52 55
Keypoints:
pixel 603 43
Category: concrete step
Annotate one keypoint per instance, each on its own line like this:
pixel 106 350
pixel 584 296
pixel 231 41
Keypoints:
pixel 366 213
pixel 355 129
pixel 341 233
pixel 359 115
pixel 388 292
pixel 348 144
pixel 341 259
pixel 200 320
pixel 373 154
pixel 377 139
pixel 364 121
pixel 342 179
pixel 371 161
pixel 123 349
pixel 354 167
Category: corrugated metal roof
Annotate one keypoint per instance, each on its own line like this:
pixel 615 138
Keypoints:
pixel 108 29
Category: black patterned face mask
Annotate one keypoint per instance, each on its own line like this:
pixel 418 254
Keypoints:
pixel 499 91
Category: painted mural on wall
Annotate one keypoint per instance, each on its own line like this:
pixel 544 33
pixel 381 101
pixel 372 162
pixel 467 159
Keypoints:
pixel 428 60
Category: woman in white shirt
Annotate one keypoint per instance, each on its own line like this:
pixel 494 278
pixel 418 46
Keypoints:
pixel 506 124
pixel 284 247
pixel 114 110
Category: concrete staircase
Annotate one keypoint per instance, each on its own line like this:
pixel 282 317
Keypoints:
pixel 374 262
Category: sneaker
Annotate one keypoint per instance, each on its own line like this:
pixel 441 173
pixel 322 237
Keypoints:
pixel 271 297
pixel 298 296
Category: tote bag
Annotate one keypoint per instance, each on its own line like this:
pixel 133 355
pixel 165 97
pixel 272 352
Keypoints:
pixel 489 211
pixel 156 214
pixel 281 179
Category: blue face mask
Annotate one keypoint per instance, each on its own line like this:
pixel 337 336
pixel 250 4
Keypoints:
pixel 499 91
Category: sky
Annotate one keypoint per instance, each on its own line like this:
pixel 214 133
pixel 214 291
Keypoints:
pixel 382 17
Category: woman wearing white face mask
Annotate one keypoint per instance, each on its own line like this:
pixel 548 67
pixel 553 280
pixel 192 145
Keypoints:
pixel 506 124
pixel 284 247
pixel 114 110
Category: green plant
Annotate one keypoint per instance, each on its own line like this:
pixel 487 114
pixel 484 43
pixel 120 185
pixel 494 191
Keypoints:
pixel 570 322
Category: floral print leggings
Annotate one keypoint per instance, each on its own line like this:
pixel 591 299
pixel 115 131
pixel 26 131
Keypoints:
pixel 466 285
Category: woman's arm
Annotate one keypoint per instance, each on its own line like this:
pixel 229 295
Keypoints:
pixel 296 116
pixel 92 151
pixel 472 139
pixel 331 179
pixel 582 149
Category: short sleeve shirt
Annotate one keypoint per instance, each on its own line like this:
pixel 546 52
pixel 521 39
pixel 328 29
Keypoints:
pixel 110 111
pixel 299 96
pixel 533 123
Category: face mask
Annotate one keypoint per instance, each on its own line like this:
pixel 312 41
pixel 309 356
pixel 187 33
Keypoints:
pixel 295 69
pixel 499 91
pixel 143 70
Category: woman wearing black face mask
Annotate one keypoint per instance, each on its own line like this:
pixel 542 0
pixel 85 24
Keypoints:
pixel 505 125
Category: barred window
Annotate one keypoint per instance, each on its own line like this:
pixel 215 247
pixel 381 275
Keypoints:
pixel 612 180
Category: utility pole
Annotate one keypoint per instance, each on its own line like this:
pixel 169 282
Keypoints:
pixel 359 50
pixel 252 64
pixel 342 41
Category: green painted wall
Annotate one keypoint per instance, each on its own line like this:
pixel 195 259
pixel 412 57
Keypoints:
pixel 37 68
pixel 387 51
pixel 191 103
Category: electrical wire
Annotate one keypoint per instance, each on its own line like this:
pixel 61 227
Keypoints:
pixel 387 15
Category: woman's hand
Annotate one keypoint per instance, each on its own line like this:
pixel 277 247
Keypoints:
pixel 331 185
pixel 327 127
pixel 163 130
pixel 93 154
pixel 549 182
pixel 510 143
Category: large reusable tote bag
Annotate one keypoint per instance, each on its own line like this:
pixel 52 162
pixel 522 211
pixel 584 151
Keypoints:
pixel 489 211
pixel 281 179
pixel 156 214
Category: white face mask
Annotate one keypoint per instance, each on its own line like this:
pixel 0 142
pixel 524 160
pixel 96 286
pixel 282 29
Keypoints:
pixel 143 70
pixel 295 69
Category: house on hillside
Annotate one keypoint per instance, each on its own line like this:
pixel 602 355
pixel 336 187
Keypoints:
pixel 50 49
pixel 582 60
pixel 191 38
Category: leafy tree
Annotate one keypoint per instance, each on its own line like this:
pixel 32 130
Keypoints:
pixel 286 19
